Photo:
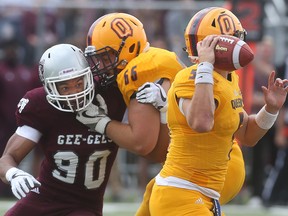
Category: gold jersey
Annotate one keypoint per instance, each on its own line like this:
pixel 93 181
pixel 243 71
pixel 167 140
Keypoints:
pixel 149 66
pixel 201 158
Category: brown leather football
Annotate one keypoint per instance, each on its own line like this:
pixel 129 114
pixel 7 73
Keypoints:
pixel 231 53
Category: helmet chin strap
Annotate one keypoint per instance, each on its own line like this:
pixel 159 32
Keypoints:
pixel 146 48
pixel 122 45
pixel 124 62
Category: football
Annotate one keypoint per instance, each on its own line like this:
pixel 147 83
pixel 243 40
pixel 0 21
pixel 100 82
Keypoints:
pixel 232 53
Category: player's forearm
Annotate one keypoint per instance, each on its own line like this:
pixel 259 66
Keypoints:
pixel 253 132
pixel 200 113
pixel 125 136
pixel 6 162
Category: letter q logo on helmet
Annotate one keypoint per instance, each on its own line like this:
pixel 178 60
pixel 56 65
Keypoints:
pixel 121 28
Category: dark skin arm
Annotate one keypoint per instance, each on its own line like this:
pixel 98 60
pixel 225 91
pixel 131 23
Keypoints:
pixel 16 150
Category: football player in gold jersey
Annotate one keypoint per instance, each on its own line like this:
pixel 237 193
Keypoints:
pixel 119 55
pixel 235 176
pixel 205 113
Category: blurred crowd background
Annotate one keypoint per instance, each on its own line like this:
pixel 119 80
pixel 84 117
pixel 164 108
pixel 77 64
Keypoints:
pixel 26 31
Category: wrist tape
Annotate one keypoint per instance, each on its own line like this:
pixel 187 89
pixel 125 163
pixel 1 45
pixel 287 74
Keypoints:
pixel 264 119
pixel 204 73
pixel 163 119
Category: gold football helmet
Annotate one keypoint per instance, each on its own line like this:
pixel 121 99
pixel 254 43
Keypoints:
pixel 209 21
pixel 113 41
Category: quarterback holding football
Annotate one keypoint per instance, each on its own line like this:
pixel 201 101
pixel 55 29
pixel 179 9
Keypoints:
pixel 205 114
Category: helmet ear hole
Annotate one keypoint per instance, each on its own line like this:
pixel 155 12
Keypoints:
pixel 132 48
pixel 213 23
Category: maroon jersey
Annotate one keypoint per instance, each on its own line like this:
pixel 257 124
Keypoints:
pixel 77 162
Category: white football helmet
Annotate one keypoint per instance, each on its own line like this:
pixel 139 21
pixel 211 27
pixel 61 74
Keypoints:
pixel 64 62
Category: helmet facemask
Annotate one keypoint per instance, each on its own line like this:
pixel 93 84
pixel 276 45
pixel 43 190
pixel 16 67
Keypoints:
pixel 72 102
pixel 240 34
pixel 104 63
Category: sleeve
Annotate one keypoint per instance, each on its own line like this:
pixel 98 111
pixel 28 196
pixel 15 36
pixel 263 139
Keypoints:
pixel 34 111
pixel 185 87
pixel 29 133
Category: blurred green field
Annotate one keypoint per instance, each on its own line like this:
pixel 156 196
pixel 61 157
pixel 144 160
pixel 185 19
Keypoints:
pixel 128 209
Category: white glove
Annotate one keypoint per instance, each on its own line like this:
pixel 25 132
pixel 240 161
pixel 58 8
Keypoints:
pixel 21 182
pixel 154 94
pixel 95 117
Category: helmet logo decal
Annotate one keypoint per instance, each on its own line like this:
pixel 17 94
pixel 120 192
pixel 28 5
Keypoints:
pixel 226 24
pixel 41 70
pixel 65 71
pixel 121 28
pixel 22 103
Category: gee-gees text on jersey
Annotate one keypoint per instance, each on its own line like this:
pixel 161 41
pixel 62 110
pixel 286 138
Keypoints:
pixel 77 139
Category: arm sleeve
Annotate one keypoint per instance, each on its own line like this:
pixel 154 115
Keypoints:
pixel 29 133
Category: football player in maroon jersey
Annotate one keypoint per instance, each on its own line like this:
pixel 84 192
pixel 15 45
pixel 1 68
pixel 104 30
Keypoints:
pixel 77 163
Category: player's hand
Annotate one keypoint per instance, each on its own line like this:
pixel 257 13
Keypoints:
pixel 205 49
pixel 154 94
pixel 275 93
pixel 21 182
pixel 95 117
